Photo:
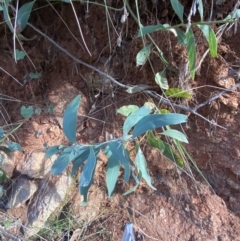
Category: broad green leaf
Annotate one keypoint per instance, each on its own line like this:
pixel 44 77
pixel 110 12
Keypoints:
pixel 200 9
pixel 77 150
pixel 34 75
pixel 6 15
pixel 191 51
pixel 112 172
pixel 142 166
pixel 181 37
pixel 82 157
pixel 107 151
pixel 1 132
pixel 19 54
pixel 70 119
pixel 143 55
pixel 121 154
pixel 127 109
pixel 137 88
pixel 27 112
pixel 14 146
pixel 51 151
pixel 61 163
pixel 210 37
pixel 161 80
pixel 152 122
pixel 134 117
pixel 155 142
pixel 87 175
pixel 175 134
pixel 23 15
pixel 177 93
pixel 178 8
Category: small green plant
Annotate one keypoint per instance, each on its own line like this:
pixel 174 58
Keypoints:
pixel 184 33
pixel 141 121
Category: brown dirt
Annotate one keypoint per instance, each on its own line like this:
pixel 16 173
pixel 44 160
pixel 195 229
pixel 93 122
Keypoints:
pixel 183 207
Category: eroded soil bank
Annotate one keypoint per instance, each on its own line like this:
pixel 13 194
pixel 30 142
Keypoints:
pixel 184 207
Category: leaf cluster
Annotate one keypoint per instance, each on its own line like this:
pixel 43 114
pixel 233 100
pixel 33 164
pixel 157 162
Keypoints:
pixel 185 35
pixel 138 121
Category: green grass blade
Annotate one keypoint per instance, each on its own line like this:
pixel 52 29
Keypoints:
pixel 210 37
pixel 191 51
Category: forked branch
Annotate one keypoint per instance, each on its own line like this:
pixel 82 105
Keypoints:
pixel 149 92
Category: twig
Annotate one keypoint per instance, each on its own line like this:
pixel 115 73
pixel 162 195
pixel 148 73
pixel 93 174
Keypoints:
pixel 151 93
pixel 182 107
pixel 8 235
pixel 216 97
pixel 78 60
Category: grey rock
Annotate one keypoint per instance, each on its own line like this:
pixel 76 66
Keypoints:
pixel 48 198
pixel 22 190
pixel 37 166
pixel 9 161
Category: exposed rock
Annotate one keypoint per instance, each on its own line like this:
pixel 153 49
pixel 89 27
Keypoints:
pixel 37 166
pixel 8 164
pixel 46 201
pixel 223 79
pixel 22 190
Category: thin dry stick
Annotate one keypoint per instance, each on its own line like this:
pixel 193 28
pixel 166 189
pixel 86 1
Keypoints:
pixel 8 235
pixel 151 93
pixel 216 97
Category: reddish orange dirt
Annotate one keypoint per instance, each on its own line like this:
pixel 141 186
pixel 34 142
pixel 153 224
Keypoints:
pixel 184 207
